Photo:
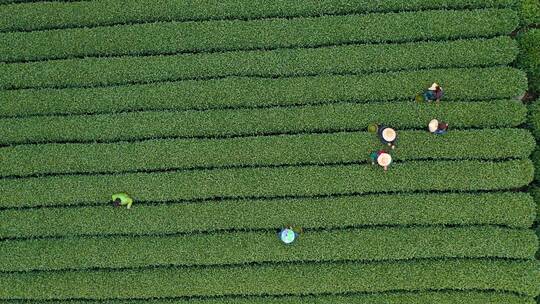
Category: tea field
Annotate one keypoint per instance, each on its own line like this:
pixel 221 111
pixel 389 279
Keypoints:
pixel 228 120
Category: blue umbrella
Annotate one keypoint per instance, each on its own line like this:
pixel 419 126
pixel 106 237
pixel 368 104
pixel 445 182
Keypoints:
pixel 287 235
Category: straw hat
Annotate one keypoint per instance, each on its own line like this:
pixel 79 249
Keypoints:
pixel 433 125
pixel 389 134
pixel 433 86
pixel 384 159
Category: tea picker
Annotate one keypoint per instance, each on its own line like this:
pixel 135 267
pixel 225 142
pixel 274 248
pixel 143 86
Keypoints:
pixel 122 199
pixel 289 234
pixel 437 127
pixel 375 155
pixel 387 136
pixel 433 93
pixel 384 160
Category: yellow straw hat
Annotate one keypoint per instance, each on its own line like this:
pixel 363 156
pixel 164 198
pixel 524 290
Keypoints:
pixel 384 159
pixel 433 125
pixel 389 134
pixel 433 86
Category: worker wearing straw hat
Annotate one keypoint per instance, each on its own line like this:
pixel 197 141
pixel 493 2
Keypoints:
pixel 382 158
pixel 388 136
pixel 433 93
pixel 437 127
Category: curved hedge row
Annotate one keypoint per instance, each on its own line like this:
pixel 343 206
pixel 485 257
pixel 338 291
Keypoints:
pixel 533 118
pixel 227 35
pixel 290 279
pixel 241 122
pixel 459 84
pixel 530 12
pixel 529 59
pixel 254 151
pixel 536 159
pixel 31 2
pixel 268 182
pixel 439 297
pixel 537 231
pixel 102 12
pixel 512 209
pixel 535 190
pixel 262 247
pixel 284 62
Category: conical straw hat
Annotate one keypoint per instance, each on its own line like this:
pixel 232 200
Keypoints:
pixel 384 159
pixel 389 134
pixel 433 125
pixel 433 86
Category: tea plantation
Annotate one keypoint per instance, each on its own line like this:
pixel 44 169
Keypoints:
pixel 227 120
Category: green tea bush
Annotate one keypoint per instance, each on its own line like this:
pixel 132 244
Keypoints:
pixel 231 248
pixel 519 277
pixel 62 14
pixel 228 35
pixel 233 92
pixel 530 12
pixel 441 297
pixel 529 60
pixel 256 151
pixel 241 122
pixel 511 209
pixel 277 63
pixel 268 182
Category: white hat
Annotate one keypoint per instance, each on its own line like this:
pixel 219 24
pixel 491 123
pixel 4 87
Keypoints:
pixel 384 159
pixel 433 125
pixel 433 86
pixel 389 134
